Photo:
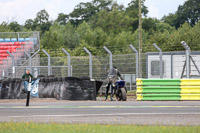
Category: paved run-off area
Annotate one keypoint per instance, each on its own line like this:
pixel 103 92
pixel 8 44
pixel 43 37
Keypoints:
pixel 103 112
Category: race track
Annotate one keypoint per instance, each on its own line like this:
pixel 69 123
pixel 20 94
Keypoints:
pixel 104 112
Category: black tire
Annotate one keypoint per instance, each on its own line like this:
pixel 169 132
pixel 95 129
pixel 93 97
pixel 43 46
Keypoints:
pixel 51 76
pixel 123 93
pixel 40 76
pixel 118 95
pixel 84 78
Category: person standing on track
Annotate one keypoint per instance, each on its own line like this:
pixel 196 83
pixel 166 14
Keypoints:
pixel 27 75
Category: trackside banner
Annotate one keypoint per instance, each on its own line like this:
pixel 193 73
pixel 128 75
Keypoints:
pixel 34 87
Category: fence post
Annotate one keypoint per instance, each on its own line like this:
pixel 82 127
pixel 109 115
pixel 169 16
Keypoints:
pixel 187 52
pixel 90 61
pixel 136 57
pixel 69 61
pixel 30 61
pixel 13 63
pixel 109 52
pixel 18 35
pixel 3 74
pixel 5 62
pixel 38 37
pixel 4 69
pixel 49 62
pixel 161 63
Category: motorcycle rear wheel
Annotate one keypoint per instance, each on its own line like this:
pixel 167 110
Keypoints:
pixel 123 94
pixel 119 97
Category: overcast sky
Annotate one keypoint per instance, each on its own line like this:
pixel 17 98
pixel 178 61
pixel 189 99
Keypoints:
pixel 21 10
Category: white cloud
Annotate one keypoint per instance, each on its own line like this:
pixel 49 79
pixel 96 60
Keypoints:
pixel 52 8
pixel 159 8
pixel 19 9
pixel 153 12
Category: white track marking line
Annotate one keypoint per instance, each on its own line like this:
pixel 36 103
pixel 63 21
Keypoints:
pixel 82 107
pixel 119 114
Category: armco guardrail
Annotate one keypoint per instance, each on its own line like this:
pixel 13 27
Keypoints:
pixel 168 89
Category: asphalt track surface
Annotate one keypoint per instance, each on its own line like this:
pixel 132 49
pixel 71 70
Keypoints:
pixel 104 112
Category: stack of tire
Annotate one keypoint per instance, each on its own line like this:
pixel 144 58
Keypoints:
pixel 61 88
pixel 11 89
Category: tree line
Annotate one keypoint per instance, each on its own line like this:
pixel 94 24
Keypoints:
pixel 106 23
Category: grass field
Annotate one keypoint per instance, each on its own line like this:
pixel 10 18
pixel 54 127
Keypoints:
pixel 86 128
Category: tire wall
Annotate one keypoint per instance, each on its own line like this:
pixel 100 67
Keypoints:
pixel 11 89
pixel 67 88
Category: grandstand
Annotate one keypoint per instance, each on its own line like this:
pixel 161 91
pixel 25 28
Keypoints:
pixel 14 47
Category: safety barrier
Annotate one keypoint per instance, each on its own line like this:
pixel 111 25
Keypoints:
pixel 61 88
pixel 168 89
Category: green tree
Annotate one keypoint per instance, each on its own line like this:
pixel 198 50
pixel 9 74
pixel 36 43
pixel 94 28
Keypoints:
pixel 161 39
pixel 63 35
pixel 62 18
pixel 50 40
pixel 44 27
pixel 42 17
pixel 133 7
pixel 102 4
pixel 117 43
pixel 184 33
pixel 133 10
pixel 86 33
pixel 40 23
pixel 69 36
pixel 113 22
pixel 79 51
pixel 30 24
pixel 136 38
pixel 161 27
pixel 4 27
pixel 14 26
pixel 100 37
pixel 171 40
pixel 170 19
pixel 188 12
pixel 84 11
pixel 151 25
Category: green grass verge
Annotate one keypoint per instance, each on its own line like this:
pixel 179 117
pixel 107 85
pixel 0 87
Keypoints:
pixel 131 93
pixel 87 128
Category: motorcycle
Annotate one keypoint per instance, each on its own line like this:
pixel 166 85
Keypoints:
pixel 119 86
pixel 120 90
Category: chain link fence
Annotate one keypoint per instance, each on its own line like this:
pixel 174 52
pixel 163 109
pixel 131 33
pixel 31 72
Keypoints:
pixel 173 66
pixel 80 67
pixel 18 46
